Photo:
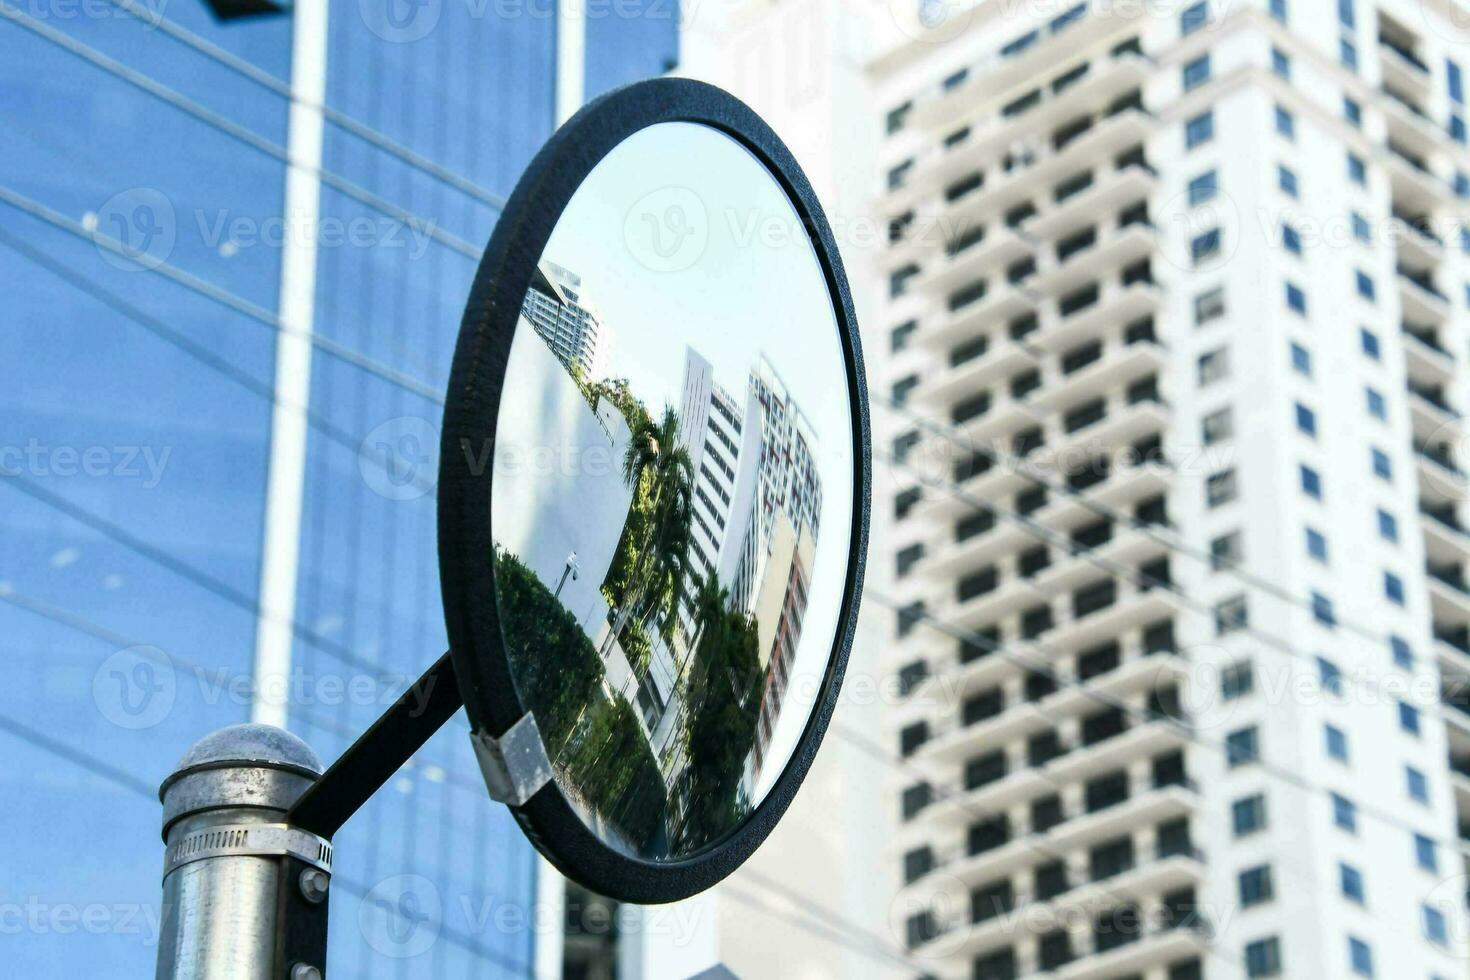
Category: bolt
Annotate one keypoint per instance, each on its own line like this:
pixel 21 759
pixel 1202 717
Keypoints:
pixel 313 883
pixel 305 971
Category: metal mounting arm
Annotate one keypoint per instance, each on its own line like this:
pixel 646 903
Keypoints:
pixel 379 752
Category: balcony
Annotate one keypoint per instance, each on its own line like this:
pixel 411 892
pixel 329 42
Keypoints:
pixel 1422 300
pixel 1426 359
pixel 1445 540
pixel 962 864
pixel 1119 364
pixel 1440 479
pixel 1155 875
pixel 1449 595
pixel 1415 238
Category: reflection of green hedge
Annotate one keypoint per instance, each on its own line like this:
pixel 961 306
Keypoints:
pixel 628 789
pixel 596 744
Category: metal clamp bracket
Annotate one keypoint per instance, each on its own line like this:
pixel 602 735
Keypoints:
pixel 261 839
pixel 515 765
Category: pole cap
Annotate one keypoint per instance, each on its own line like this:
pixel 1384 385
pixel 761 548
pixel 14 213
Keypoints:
pixel 250 766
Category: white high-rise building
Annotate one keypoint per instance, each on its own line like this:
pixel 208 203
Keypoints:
pixel 568 322
pixel 1175 311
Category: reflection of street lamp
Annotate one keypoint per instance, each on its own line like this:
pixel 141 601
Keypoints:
pixel 571 570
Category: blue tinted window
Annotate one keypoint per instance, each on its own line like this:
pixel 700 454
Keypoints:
pixel 1296 300
pixel 1381 465
pixel 1311 482
pixel 1377 406
pixel 1197 72
pixel 1316 544
pixel 1369 342
pixel 1344 813
pixel 1388 526
pixel 1285 123
pixel 1337 744
pixel 1198 130
pixel 1351 881
pixel 1417 785
pixel 1193 17
pixel 1361 957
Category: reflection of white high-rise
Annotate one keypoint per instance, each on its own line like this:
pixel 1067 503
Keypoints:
pixel 721 448
pixel 569 324
pixel 757 498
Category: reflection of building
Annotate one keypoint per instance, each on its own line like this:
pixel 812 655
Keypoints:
pixel 757 500
pixel 559 486
pixel 564 318
pixel 723 452
pixel 779 608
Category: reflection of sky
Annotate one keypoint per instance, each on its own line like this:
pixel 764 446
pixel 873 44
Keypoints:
pixel 740 281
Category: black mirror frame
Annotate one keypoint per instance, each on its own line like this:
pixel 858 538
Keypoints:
pixel 471 413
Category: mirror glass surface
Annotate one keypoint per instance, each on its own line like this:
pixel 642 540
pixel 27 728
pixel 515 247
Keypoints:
pixel 673 491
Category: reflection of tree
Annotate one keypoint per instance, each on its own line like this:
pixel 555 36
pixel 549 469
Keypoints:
pixel 618 393
pixel 593 738
pixel 719 727
pixel 649 569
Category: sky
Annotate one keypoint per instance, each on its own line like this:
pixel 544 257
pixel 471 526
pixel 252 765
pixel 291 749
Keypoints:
pixel 683 238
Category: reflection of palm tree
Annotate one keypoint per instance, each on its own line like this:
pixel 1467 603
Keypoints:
pixel 720 713
pixel 656 462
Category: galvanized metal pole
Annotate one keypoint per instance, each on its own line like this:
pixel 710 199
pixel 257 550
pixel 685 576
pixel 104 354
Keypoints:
pixel 244 891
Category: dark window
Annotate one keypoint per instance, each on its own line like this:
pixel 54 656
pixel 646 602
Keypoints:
pixel 1098 660
pixel 986 704
pixel 981 643
pixel 917 863
pixel 915 798
pixel 1111 858
pixel 1039 685
pixel 996 966
pixel 1093 598
pixel 1046 813
pixel 1041 749
pixel 1118 927
pixel 912 737
pixel 1033 560
pixel 986 769
pixel 976 522
pixel 1106 791
pixel 977 583
pixel 1028 501
pixel 911 675
pixel 1054 949
pixel 1050 880
pixel 989 834
pixel 1035 621
pixel 1169 770
pixel 994 899
pixel 969 350
pixel 1103 725
pixel 1172 838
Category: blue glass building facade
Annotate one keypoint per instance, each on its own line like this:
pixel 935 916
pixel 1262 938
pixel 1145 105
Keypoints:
pixel 142 222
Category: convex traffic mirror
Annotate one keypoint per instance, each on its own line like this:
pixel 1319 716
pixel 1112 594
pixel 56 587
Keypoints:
pixel 654 491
